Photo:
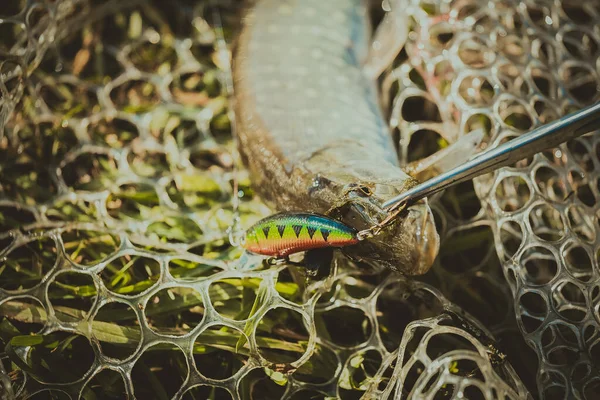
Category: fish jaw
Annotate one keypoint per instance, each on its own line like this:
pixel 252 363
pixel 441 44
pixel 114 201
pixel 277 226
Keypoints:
pixel 355 192
pixel 419 226
pixel 409 244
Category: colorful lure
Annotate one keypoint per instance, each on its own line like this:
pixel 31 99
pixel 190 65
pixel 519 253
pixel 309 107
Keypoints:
pixel 287 233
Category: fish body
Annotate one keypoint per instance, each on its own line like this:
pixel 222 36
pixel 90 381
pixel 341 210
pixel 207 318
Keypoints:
pixel 311 131
pixel 286 233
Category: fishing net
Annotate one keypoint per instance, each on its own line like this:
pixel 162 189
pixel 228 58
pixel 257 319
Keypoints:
pixel 27 30
pixel 118 189
pixel 507 67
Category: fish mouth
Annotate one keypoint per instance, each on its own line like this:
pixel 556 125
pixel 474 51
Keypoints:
pixel 409 244
pixel 421 228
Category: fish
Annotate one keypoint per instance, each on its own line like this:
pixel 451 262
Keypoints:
pixel 283 234
pixel 311 131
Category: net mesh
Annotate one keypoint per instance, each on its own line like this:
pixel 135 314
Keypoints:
pixel 117 193
pixel 507 67
pixel 28 30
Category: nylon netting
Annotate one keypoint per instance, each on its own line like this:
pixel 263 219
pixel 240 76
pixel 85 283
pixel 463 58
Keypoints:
pixel 117 191
pixel 508 67
pixel 28 29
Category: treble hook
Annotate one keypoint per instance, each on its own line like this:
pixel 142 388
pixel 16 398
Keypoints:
pixel 377 228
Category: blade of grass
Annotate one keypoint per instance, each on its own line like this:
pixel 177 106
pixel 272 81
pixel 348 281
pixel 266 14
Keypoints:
pixel 159 390
pixel 259 300
pixel 18 361
pixel 26 340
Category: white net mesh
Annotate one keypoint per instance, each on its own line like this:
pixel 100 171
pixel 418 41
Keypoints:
pixel 28 29
pixel 508 67
pixel 117 277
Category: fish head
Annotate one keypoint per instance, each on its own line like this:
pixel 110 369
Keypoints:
pixel 409 244
pixel 354 193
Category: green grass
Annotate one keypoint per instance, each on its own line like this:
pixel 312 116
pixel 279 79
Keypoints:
pixel 155 175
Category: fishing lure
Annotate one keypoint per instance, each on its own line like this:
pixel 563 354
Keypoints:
pixel 283 234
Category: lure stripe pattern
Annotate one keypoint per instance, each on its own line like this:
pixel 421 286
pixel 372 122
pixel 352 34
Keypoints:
pixel 283 234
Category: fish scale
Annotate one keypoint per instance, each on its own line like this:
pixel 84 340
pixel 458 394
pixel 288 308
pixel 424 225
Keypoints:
pixel 287 91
